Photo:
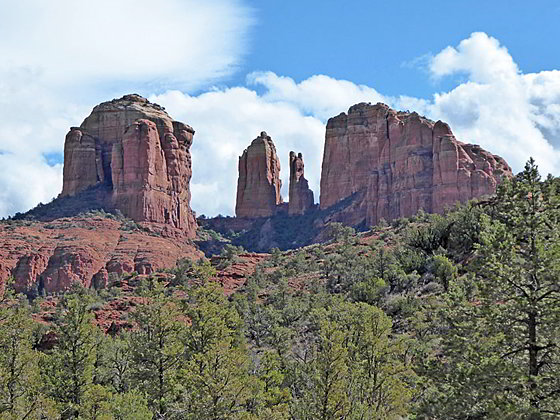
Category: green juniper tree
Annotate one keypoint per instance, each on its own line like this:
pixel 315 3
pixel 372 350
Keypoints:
pixel 20 381
pixel 69 366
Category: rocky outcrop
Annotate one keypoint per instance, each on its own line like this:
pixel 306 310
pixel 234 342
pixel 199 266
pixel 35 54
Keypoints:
pixel 394 163
pixel 300 196
pixel 51 256
pixel 141 158
pixel 259 184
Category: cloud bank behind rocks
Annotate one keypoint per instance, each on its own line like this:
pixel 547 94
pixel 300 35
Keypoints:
pixel 507 112
pixel 494 104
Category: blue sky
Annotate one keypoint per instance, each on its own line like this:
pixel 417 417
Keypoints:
pixel 233 68
pixel 378 43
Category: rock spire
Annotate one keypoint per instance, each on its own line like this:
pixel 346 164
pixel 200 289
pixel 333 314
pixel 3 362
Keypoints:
pixel 300 196
pixel 259 184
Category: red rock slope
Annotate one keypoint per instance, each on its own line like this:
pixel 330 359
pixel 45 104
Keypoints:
pixel 53 255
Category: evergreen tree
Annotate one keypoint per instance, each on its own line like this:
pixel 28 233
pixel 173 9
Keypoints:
pixel 68 368
pixel 501 346
pixel 20 382
pixel 155 347
pixel 216 381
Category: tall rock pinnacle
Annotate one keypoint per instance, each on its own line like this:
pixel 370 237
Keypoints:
pixel 259 184
pixel 301 197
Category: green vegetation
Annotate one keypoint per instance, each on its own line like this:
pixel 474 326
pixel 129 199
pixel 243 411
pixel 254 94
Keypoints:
pixel 452 316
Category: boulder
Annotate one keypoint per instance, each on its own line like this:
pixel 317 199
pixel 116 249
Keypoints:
pixel 259 184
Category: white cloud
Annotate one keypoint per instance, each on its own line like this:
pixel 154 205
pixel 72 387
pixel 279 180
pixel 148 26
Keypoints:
pixel 26 183
pixel 508 113
pixel 61 57
pixel 320 95
pixel 226 121
pixel 480 55
pixel 184 43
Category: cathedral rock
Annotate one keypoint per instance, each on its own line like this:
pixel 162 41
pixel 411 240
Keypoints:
pixel 139 159
pixel 259 184
pixel 396 163
pixel 301 197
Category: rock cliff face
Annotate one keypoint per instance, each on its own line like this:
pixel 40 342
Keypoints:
pixel 395 163
pixel 141 158
pixel 300 196
pixel 259 184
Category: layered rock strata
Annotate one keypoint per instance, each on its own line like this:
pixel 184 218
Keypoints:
pixel 396 163
pixel 139 156
pixel 300 196
pixel 51 256
pixel 259 184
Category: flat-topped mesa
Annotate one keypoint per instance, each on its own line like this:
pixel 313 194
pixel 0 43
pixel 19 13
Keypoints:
pixel 396 163
pixel 140 158
pixel 259 184
pixel 300 196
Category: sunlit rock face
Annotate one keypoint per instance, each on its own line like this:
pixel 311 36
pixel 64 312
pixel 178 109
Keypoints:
pixel 259 184
pixel 396 163
pixel 139 156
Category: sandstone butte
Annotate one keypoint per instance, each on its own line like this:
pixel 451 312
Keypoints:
pixel 136 159
pixel 300 196
pixel 381 163
pixel 393 164
pixel 139 157
pixel 259 184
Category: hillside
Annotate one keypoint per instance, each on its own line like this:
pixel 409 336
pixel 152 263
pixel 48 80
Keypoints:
pixel 449 316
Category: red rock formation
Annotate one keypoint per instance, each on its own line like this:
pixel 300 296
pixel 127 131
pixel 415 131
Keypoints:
pixel 235 276
pixel 133 148
pixel 53 255
pixel 395 163
pixel 301 197
pixel 259 184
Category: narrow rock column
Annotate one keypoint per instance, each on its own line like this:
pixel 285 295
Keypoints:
pixel 259 184
pixel 301 197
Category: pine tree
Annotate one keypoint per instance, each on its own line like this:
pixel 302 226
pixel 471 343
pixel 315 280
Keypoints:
pixel 155 347
pixel 68 368
pixel 216 381
pixel 501 346
pixel 20 382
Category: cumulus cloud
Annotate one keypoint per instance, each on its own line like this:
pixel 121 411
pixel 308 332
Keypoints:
pixel 507 112
pixel 493 103
pixel 59 58
pixel 320 95
pixel 512 114
pixel 184 43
